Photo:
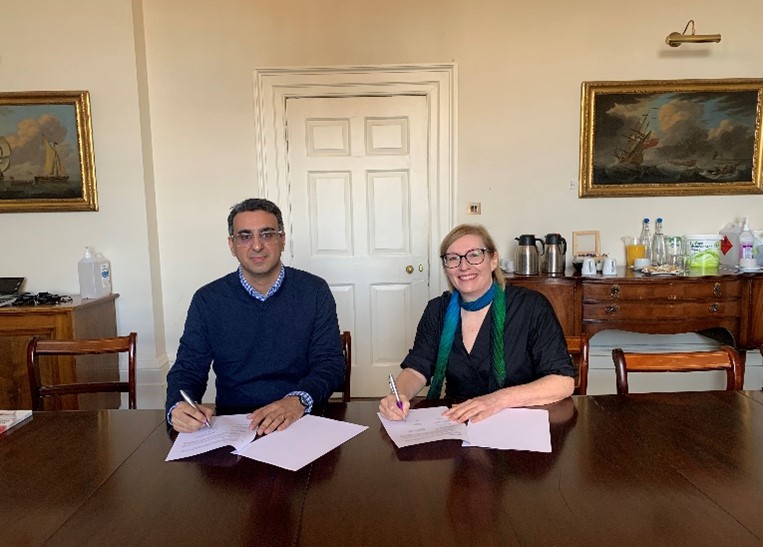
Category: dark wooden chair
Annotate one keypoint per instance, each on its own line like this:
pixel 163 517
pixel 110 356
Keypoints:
pixel 726 358
pixel 347 351
pixel 38 347
pixel 578 348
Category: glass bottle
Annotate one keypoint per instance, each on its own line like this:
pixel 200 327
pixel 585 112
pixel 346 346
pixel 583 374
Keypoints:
pixel 659 250
pixel 645 239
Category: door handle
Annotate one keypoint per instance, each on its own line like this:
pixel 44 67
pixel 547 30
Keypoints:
pixel 409 269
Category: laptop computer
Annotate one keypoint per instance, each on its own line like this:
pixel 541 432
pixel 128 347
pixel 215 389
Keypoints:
pixel 10 289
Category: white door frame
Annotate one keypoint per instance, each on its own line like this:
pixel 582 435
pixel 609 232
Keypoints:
pixel 273 86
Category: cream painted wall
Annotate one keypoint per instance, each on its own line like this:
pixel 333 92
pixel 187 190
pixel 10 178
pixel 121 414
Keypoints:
pixel 174 131
pixel 87 44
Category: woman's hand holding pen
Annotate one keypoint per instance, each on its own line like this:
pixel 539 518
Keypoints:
pixel 390 410
pixel 186 419
pixel 407 386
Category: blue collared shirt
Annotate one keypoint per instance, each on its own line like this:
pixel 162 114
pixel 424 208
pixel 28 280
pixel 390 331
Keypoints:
pixel 257 294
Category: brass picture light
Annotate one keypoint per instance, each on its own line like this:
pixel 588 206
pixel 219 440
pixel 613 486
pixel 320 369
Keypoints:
pixel 675 39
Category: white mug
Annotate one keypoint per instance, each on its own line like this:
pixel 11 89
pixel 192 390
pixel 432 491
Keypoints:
pixel 507 265
pixel 589 266
pixel 608 266
pixel 641 263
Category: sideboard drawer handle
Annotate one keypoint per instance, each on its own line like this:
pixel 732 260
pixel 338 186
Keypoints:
pixel 717 290
pixel 714 307
pixel 614 308
pixel 614 292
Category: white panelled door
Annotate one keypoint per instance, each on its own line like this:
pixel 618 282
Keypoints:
pixel 360 219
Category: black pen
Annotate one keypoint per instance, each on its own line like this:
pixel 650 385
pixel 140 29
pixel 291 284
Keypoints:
pixel 194 405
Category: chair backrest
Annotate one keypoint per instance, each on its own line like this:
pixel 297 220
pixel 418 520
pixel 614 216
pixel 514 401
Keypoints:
pixel 119 344
pixel 347 351
pixel 726 358
pixel 577 346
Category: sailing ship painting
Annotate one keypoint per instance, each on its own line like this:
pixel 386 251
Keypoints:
pixel 37 155
pixel 674 141
pixel 46 152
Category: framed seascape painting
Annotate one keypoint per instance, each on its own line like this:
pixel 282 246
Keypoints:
pixel 46 152
pixel 670 138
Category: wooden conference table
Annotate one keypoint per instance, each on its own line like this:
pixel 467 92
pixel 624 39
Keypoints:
pixel 656 469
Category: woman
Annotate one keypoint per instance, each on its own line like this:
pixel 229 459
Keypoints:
pixel 494 345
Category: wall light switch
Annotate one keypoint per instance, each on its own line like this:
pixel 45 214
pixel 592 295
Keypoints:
pixel 475 208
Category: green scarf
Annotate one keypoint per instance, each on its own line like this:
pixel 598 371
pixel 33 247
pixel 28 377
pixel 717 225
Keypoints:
pixel 497 297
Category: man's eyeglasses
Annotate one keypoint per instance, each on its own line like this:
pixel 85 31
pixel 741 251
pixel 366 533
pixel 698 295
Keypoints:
pixel 475 257
pixel 267 235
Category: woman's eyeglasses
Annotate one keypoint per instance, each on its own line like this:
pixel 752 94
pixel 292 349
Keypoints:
pixel 267 235
pixel 475 257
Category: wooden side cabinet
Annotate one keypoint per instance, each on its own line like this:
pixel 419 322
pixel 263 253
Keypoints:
pixel 727 302
pixel 80 318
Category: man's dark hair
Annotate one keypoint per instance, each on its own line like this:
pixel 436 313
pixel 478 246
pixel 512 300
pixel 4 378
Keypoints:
pixel 254 204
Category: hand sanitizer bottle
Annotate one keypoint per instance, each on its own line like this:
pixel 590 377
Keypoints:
pixel 746 242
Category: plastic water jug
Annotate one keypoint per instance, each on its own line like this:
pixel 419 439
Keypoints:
pixel 94 275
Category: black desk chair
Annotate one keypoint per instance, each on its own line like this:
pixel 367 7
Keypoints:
pixel 119 344
pixel 726 358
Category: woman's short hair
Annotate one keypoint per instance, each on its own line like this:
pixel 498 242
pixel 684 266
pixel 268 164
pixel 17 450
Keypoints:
pixel 478 230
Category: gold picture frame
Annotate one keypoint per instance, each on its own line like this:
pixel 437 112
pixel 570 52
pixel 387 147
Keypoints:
pixel 670 138
pixel 46 152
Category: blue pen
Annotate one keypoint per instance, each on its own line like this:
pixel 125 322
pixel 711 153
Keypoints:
pixel 393 387
pixel 194 405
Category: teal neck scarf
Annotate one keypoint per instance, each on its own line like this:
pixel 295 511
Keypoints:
pixel 495 296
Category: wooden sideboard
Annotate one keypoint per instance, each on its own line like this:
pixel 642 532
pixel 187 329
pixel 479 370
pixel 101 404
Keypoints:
pixel 721 305
pixel 78 319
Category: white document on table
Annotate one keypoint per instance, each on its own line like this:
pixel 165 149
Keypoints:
pixel 512 429
pixel 302 442
pixel 423 425
pixel 225 431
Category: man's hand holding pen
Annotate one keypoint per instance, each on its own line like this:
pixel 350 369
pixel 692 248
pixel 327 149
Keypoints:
pixel 187 418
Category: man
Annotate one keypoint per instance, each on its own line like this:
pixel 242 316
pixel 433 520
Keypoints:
pixel 270 333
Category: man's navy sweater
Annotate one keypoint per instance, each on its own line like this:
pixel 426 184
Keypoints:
pixel 260 351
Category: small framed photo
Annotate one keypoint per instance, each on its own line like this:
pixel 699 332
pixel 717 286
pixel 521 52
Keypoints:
pixel 670 138
pixel 46 152
pixel 586 243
